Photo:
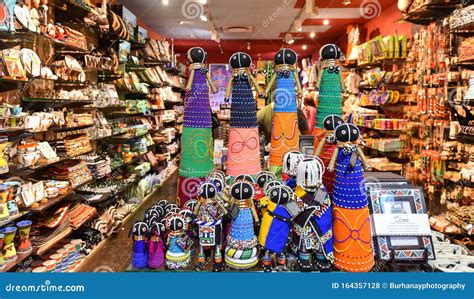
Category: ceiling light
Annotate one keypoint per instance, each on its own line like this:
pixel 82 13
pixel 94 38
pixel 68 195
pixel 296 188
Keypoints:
pixel 165 2
pixel 291 41
pixel 203 2
pixel 203 18
pixel 304 47
pixel 248 46
pixel 346 2
pixel 312 34
pixel 300 29
pixel 181 22
pixel 326 22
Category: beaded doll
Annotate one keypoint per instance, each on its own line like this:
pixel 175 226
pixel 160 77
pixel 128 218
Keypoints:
pixel 156 256
pixel 329 83
pixel 290 164
pixel 244 145
pixel 241 250
pixel 197 146
pixel 191 232
pixel 352 239
pixel 326 148
pixel 313 227
pixel 178 243
pixel 285 131
pixel 139 234
pixel 262 178
pixel 209 212
pixel 276 226
pixel 264 200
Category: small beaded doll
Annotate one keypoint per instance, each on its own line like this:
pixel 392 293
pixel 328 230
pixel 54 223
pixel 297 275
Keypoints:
pixel 330 84
pixel 241 250
pixel 156 256
pixel 178 243
pixel 244 144
pixel 209 211
pixel 313 227
pixel 352 237
pixel 197 147
pixel 262 178
pixel 264 200
pixel 191 232
pixel 326 148
pixel 285 131
pixel 276 226
pixel 290 164
pixel 139 234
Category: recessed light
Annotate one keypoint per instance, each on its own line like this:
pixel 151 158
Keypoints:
pixel 312 34
pixel 291 41
pixel 346 2
pixel 203 18
pixel 326 22
pixel 203 2
pixel 300 29
pixel 165 2
pixel 304 47
pixel 181 22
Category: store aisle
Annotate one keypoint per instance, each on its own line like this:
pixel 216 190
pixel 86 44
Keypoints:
pixel 115 254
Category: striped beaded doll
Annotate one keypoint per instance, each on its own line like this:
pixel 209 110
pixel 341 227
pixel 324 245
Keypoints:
pixel 352 238
pixel 313 227
pixel 196 142
pixel 156 255
pixel 290 164
pixel 139 233
pixel 241 249
pixel 285 131
pixel 326 148
pixel 330 85
pixel 276 227
pixel 178 254
pixel 244 146
pixel 209 212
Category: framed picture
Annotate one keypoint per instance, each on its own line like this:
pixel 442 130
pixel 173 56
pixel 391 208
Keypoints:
pixel 400 199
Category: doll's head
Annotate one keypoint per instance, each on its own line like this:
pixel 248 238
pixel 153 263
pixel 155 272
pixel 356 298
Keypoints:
pixel 160 211
pixel 290 162
pixel 149 215
pixel 157 228
pixel 280 194
pixel 270 184
pixel 217 174
pixel 162 203
pixel 169 207
pixel 188 215
pixel 239 60
pixel 285 56
pixel 207 190
pixel 218 183
pixel 330 51
pixel 263 177
pixel 330 122
pixel 191 204
pixel 310 172
pixel 139 229
pixel 36 4
pixel 196 55
pixel 242 190
pixel 347 133
pixel 245 177
pixel 176 222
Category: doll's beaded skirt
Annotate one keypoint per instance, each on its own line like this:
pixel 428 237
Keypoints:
pixel 330 97
pixel 274 233
pixel 328 176
pixel 176 257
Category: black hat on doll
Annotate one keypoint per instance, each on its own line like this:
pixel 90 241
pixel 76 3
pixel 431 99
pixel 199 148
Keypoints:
pixel 196 55
pixel 241 190
pixel 285 56
pixel 330 51
pixel 207 190
pixel 347 133
pixel 263 177
pixel 330 122
pixel 280 194
pixel 240 59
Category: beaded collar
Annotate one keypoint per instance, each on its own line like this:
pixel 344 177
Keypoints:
pixel 240 70
pixel 285 67
pixel 197 66
pixel 329 62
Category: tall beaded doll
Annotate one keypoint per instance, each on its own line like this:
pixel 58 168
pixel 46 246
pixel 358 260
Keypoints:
pixel 196 142
pixel 290 164
pixel 285 131
pixel 139 233
pixel 276 227
pixel 209 212
pixel 241 250
pixel 352 239
pixel 244 145
pixel 313 228
pixel 156 255
pixel 326 148
pixel 330 86
pixel 178 254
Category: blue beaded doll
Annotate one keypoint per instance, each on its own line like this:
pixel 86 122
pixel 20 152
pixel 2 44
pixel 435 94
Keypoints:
pixel 178 254
pixel 139 232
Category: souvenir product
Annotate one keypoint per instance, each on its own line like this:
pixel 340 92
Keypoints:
pixel 244 146
pixel 313 226
pixel 290 164
pixel 24 245
pixel 139 233
pixel 35 15
pixel 262 204
pixel 261 179
pixel 241 250
pixel 197 147
pixel 191 231
pixel 276 226
pixel 2 261
pixel 9 251
pixel 178 243
pixel 352 237
pixel 326 146
pixel 156 256
pixel 285 131
pixel 330 84
pixel 209 212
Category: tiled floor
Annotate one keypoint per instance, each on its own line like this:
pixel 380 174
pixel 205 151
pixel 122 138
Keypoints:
pixel 115 254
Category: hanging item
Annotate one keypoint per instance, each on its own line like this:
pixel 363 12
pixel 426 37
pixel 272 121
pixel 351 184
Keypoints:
pixel 244 146
pixel 285 131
